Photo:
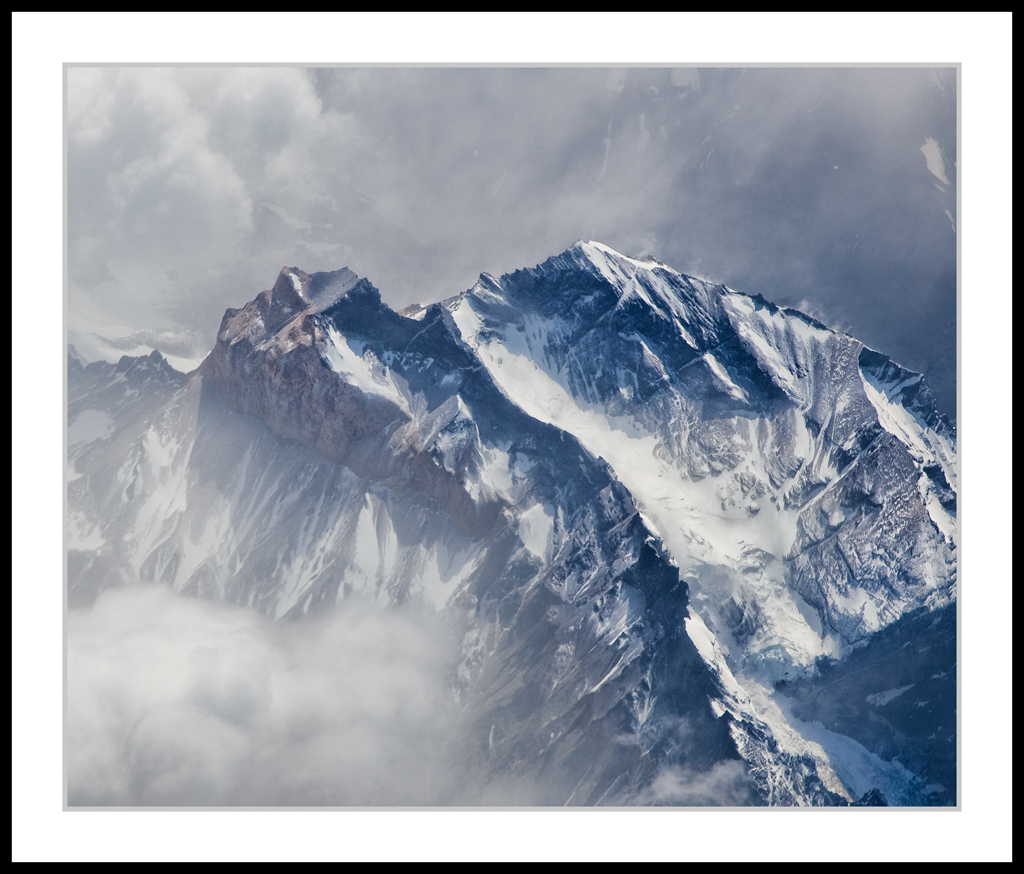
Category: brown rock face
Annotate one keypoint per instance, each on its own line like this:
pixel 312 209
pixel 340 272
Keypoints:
pixel 268 364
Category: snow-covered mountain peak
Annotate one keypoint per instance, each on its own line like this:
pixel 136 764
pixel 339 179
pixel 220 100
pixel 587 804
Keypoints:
pixel 738 425
pixel 600 260
pixel 597 252
pixel 590 282
pixel 291 288
pixel 296 291
pixel 642 499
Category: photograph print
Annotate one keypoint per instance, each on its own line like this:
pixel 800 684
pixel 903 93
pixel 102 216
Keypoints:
pixel 457 437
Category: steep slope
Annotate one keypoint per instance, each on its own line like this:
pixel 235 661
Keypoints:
pixel 768 442
pixel 804 484
pixel 110 408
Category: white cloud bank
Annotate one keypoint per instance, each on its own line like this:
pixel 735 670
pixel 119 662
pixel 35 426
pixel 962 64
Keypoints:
pixel 178 702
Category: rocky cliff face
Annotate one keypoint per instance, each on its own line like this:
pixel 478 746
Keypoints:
pixel 273 362
pixel 639 499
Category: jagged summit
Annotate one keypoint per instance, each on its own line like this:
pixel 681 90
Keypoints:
pixel 327 288
pixel 590 248
pixel 291 287
pixel 297 291
pixel 590 281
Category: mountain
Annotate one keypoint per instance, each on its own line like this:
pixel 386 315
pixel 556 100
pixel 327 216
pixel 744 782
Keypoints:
pixel 660 518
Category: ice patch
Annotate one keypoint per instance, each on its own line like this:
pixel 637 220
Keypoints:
pixel 536 527
pixel 599 252
pixel 880 699
pixel 364 372
pixel 933 158
pixel 859 769
pixel 160 448
pixel 709 650
pixel 495 473
pixel 923 443
pixel 370 553
pixel 942 518
pixel 857 603
pixel 762 348
pixel 896 419
pixel 89 425
pixel 723 381
pixel 83 533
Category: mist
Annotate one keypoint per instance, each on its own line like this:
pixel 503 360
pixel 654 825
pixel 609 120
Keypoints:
pixel 173 701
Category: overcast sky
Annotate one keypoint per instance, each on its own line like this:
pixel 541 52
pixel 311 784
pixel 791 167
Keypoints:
pixel 832 190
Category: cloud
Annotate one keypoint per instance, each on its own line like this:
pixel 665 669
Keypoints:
pixel 173 701
pixel 725 784
pixel 167 171
pixel 794 183
pixel 182 702
pixel 143 172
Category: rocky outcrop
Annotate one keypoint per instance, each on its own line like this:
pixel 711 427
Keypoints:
pixel 269 363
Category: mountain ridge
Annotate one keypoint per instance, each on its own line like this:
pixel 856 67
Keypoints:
pixel 522 410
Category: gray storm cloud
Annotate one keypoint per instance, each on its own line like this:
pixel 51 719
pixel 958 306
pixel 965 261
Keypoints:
pixel 189 188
